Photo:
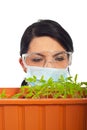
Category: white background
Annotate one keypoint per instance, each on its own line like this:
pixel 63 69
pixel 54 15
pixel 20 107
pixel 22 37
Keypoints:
pixel 16 15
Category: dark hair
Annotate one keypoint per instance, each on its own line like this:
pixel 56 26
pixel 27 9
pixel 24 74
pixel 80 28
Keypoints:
pixel 46 28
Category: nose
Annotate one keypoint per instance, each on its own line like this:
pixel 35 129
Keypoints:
pixel 48 64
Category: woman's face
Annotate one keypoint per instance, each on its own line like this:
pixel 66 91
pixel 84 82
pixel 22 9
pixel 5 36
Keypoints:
pixel 44 52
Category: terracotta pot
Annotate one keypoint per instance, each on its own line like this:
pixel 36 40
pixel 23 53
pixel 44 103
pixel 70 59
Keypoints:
pixel 42 114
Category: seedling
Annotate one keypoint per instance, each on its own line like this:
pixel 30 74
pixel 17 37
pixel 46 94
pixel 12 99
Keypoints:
pixel 63 88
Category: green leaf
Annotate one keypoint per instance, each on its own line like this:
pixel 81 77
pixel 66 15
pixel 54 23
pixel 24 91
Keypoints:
pixel 3 94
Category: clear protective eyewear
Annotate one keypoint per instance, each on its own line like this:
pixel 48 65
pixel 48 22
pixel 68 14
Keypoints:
pixel 41 59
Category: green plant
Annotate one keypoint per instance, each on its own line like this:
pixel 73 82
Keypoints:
pixel 3 94
pixel 63 88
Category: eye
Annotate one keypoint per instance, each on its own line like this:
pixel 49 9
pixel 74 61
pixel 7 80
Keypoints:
pixel 38 59
pixel 61 58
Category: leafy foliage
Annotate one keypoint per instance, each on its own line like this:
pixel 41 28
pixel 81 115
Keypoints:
pixel 3 94
pixel 63 88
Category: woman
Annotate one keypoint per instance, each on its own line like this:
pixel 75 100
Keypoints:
pixel 46 49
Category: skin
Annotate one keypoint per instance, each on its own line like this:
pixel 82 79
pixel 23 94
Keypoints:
pixel 44 43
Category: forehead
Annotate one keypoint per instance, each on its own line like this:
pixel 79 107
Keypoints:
pixel 44 43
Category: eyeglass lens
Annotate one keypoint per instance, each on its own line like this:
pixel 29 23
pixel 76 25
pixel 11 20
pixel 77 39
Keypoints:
pixel 39 59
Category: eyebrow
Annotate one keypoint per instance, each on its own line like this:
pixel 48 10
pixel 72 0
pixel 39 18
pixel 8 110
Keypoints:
pixel 57 53
pixel 62 52
pixel 39 54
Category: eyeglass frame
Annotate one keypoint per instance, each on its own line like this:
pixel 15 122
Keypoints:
pixel 27 54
